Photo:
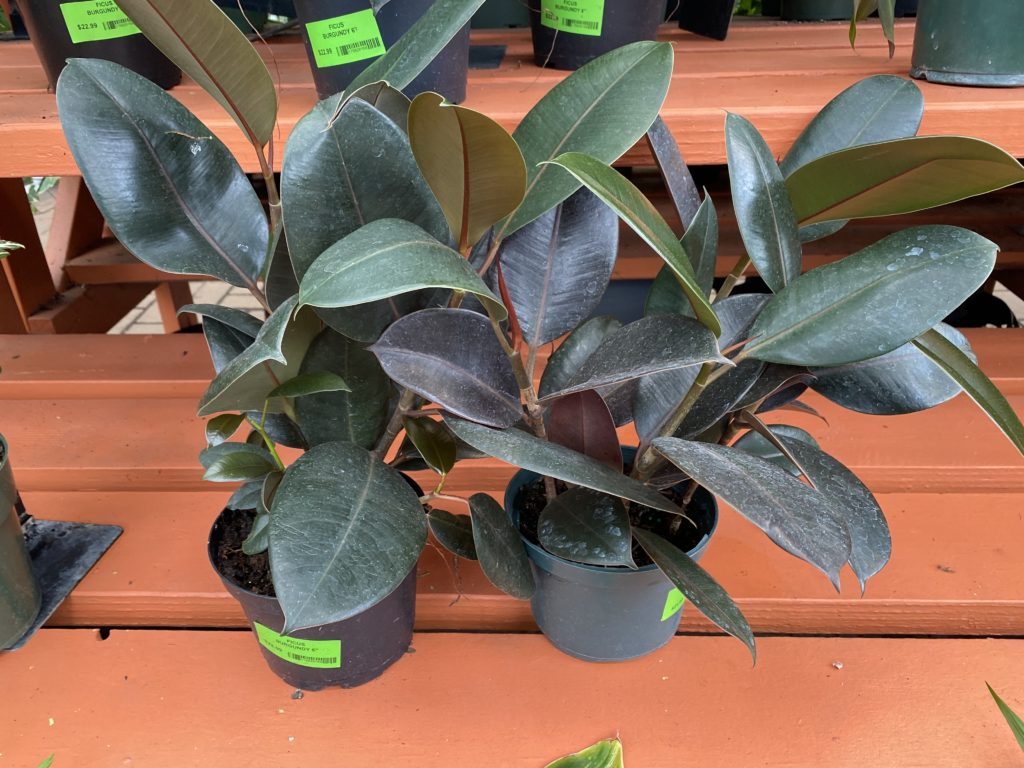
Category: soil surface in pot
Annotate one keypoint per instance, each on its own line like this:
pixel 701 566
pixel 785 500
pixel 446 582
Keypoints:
pixel 531 502
pixel 251 572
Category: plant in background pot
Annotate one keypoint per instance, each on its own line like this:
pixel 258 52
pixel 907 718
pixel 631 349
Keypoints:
pixel 343 36
pixel 383 202
pixel 96 29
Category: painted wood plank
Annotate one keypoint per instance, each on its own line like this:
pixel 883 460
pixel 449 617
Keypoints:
pixel 949 574
pixel 164 699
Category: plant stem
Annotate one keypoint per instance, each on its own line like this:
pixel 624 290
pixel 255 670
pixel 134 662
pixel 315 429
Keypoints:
pixel 732 279
pixel 435 496
pixel 405 404
pixel 260 427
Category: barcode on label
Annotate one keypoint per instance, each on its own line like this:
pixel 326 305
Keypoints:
pixel 581 24
pixel 362 45
pixel 112 25
pixel 299 658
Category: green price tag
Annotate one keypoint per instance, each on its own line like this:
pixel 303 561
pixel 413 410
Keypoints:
pixel 319 654
pixel 582 17
pixel 344 39
pixel 673 604
pixel 93 20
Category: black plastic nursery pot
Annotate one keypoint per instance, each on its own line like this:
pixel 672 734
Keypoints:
pixel 95 29
pixel 969 42
pixel 600 613
pixel 816 10
pixel 343 37
pixel 20 597
pixel 708 18
pixel 343 654
pixel 569 33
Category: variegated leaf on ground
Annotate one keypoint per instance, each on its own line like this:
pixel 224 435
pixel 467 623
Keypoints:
pixel 604 754
pixel 345 530
pixel 589 527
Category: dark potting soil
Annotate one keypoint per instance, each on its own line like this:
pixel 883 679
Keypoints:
pixel 532 500
pixel 250 572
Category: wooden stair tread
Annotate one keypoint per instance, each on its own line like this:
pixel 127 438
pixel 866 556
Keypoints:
pixel 163 699
pixel 780 95
pixel 948 575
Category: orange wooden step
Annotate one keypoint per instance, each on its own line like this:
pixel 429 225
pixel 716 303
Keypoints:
pixel 951 573
pixel 165 699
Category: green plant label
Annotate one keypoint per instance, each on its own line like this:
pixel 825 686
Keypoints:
pixel 581 17
pixel 92 20
pixel 344 39
pixel 319 654
pixel 673 604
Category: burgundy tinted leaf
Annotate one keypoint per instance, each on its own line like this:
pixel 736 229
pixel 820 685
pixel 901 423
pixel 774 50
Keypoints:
pixel 582 422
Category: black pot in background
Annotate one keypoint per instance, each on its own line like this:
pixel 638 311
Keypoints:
pixel 353 37
pixel 343 654
pixel 54 32
pixel 20 597
pixel 622 22
pixel 816 10
pixel 708 18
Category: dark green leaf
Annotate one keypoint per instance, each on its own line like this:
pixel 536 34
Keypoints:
pixel 899 176
pixel 453 532
pixel 795 516
pixel 875 300
pixel 701 245
pixel 258 539
pixel 499 548
pixel 247 496
pixel 434 443
pixel 719 398
pixel 209 456
pixel 345 530
pixel 643 218
pixel 976 384
pixel 1012 718
pixel 281 281
pixel 586 526
pixel 556 268
pixel 697 585
pixel 757 445
pixel 172 193
pixel 574 351
pixel 763 210
pixel 524 450
pixel 389 101
pixel 240 465
pixel 241 321
pixel 602 109
pixel 311 383
pixel 452 358
pixel 213 51
pixel 220 428
pixel 677 177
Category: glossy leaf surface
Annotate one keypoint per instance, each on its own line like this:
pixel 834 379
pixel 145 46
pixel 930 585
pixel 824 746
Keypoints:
pixel 452 358
pixel 220 428
pixel 875 300
pixel 583 423
pixel 604 754
pixel 170 191
pixel 674 172
pixel 311 383
pixel 574 351
pixel 523 450
pixel 557 267
pixel 602 109
pixel 586 526
pixel 345 530
pixel 453 532
pixel 639 213
pixel 1012 718
pixel 240 465
pixel 706 595
pixel 757 445
pixel 499 548
pixel 471 163
pixel 798 518
pixel 434 443
pixel 764 212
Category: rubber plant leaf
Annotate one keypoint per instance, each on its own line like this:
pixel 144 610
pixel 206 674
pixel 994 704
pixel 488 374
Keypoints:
pixel 419 45
pixel 602 110
pixel 274 357
pixel 959 367
pixel 471 163
pixel 873 301
pixel 358 415
pixel 220 428
pixel 198 37
pixel 706 595
pixel 583 423
pixel 240 465
pixel 452 357
pixel 389 101
pixel 434 443
pixel 171 192
pixel 633 207
pixel 453 532
pixel 801 520
pixel 523 450
pixel 557 267
pixel 386 258
pixel 899 176
pixel 758 445
pixel 674 172
pixel 604 754
pixel 589 527
pixel 499 548
pixel 764 213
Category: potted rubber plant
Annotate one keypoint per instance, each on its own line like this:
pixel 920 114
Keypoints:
pixel 321 549
pixel 569 33
pixel 96 29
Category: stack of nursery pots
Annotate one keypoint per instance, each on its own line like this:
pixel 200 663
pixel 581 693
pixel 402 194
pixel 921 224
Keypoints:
pixel 569 33
pixel 343 36
pixel 20 597
pixel 96 29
